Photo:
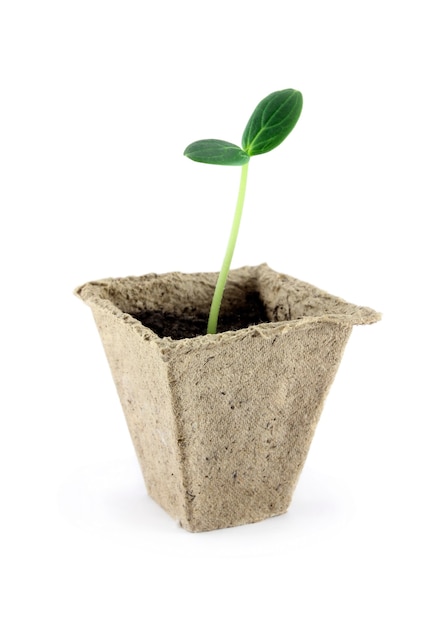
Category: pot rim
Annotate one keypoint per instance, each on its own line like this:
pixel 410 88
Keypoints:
pixel 101 294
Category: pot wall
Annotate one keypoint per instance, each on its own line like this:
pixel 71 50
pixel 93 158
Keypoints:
pixel 222 424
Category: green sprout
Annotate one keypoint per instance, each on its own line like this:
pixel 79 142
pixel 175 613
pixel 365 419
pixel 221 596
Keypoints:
pixel 271 122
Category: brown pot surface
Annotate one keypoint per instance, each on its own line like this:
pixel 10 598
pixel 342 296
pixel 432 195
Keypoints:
pixel 222 424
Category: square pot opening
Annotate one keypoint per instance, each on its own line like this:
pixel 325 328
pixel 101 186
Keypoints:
pixel 176 305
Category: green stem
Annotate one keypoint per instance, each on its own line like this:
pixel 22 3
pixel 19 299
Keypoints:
pixel 222 278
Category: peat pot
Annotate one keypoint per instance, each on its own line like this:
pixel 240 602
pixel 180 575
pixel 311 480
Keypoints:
pixel 222 423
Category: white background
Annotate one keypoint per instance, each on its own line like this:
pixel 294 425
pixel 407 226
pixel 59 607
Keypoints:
pixel 98 101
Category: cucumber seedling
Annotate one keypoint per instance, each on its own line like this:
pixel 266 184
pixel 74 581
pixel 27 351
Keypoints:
pixel 271 122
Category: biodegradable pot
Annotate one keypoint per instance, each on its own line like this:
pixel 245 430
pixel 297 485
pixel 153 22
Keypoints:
pixel 221 424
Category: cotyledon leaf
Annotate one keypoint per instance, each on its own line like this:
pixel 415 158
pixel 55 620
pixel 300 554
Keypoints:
pixel 216 152
pixel 272 121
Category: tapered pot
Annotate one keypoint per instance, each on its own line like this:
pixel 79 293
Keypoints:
pixel 221 424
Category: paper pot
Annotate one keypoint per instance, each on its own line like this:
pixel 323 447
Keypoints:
pixel 222 424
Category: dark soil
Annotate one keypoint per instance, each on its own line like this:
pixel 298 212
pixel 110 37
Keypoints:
pixel 194 324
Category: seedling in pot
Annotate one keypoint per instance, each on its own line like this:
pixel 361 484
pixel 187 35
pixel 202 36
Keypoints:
pixel 271 122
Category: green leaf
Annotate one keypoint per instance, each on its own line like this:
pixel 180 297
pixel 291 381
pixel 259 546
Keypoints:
pixel 216 152
pixel 272 121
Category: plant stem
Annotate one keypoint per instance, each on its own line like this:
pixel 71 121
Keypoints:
pixel 222 278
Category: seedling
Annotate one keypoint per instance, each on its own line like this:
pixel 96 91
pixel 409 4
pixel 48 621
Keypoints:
pixel 271 122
